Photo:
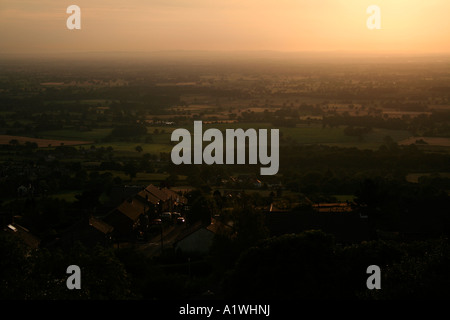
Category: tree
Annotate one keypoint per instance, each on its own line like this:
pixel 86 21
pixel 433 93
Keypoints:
pixel 421 272
pixel 102 274
pixel 200 210
pixel 369 198
pixel 249 224
pixel 171 180
pixel 139 149
pixel 88 200
pixel 390 144
pixel 131 170
pixel 290 266
pixel 13 267
pixel 31 145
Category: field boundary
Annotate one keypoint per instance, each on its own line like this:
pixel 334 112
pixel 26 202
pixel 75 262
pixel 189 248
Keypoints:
pixel 41 143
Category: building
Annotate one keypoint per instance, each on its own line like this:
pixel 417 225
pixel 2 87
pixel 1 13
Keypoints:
pixel 89 232
pixel 125 218
pixel 198 239
pixel 24 235
pixel 339 207
pixel 133 214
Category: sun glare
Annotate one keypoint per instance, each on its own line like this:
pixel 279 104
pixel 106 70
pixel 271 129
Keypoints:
pixel 328 25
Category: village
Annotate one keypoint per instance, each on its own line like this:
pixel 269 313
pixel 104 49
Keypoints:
pixel 155 219
pixel 360 178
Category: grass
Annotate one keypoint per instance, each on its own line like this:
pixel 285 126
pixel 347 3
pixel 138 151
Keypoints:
pixel 313 134
pixel 336 136
pixel 68 196
pixel 344 197
pixel 316 134
pixel 94 134
pixel 140 176
pixel 130 147
pixel 414 177
pixel 151 129
pixel 42 143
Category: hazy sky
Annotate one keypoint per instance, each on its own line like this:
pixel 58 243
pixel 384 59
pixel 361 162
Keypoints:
pixel 412 26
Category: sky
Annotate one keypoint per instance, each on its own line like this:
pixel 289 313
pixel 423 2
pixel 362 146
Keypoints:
pixel 407 26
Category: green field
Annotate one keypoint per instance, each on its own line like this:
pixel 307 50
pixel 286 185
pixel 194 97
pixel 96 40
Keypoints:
pixel 140 176
pixel 94 134
pixel 313 134
pixel 68 196
pixel 336 136
pixel 414 177
pixel 130 147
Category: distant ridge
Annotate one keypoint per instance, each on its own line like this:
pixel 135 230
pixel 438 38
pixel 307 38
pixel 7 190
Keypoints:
pixel 212 56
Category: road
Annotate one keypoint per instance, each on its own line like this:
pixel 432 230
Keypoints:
pixel 153 246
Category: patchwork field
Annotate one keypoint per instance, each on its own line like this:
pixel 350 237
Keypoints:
pixel 432 141
pixel 160 136
pixel 90 135
pixel 42 143
pixel 414 177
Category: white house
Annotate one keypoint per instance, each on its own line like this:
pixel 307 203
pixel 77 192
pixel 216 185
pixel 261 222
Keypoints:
pixel 196 240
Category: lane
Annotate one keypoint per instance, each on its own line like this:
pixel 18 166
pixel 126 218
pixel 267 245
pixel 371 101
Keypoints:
pixel 153 246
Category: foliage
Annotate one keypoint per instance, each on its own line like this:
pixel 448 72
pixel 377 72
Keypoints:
pixel 41 274
pixel 287 267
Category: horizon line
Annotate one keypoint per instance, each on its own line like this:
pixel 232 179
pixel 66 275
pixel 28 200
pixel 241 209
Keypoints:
pixel 337 51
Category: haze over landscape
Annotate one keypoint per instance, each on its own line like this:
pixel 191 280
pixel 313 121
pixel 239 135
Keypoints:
pixel 407 26
pixel 361 153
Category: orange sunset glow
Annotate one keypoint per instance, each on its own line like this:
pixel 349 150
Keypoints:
pixel 407 26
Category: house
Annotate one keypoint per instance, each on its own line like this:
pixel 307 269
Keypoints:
pixel 339 207
pixel 118 194
pixel 125 218
pixel 197 239
pixel 170 200
pixel 134 213
pixel 24 235
pixel 90 232
pixel 153 203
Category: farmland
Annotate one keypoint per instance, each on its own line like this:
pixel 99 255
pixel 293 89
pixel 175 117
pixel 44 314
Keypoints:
pixel 79 141
pixel 122 129
pixel 41 143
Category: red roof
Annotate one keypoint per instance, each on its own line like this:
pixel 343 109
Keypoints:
pixel 132 209
pixel 333 207
pixel 137 205
pixel 147 196
pixel 158 193
pixel 100 225
pixel 174 196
